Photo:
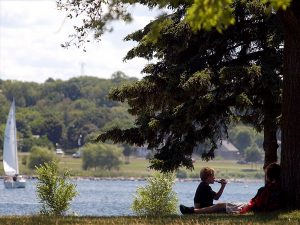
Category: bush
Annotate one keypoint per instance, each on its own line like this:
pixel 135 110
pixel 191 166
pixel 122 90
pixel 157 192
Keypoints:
pixel 55 192
pixel 103 156
pixel 157 198
pixel 39 156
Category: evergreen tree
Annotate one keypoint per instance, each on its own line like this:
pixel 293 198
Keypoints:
pixel 202 83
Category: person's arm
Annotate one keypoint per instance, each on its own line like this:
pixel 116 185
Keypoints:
pixel 220 192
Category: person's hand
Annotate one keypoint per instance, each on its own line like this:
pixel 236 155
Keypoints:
pixel 223 182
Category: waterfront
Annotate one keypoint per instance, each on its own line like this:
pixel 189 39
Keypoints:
pixel 112 197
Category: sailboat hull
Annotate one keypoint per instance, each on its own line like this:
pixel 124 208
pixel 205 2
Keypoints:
pixel 10 183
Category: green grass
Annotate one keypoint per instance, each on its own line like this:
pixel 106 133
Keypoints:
pixel 278 218
pixel 230 169
pixel 139 167
pixel 136 168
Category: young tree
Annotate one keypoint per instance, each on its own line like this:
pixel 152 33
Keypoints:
pixel 252 154
pixel 55 192
pixel 157 198
pixel 39 156
pixel 242 137
pixel 102 156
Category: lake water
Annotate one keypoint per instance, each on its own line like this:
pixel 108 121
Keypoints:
pixel 112 197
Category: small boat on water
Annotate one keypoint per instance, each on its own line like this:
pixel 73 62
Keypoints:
pixel 10 153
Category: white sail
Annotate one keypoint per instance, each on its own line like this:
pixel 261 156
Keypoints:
pixel 10 156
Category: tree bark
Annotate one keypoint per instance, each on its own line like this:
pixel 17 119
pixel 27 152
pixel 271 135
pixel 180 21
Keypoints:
pixel 270 144
pixel 290 154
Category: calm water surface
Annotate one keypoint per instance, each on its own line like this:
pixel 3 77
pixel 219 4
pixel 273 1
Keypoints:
pixel 111 197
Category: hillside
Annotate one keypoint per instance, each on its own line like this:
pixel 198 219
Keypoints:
pixel 59 112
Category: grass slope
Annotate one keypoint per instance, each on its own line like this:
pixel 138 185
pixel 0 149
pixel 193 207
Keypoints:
pixel 139 167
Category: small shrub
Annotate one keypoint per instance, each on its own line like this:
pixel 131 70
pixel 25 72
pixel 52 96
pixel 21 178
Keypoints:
pixel 103 156
pixel 54 191
pixel 38 156
pixel 157 198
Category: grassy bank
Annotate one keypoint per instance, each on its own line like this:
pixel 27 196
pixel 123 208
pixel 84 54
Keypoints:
pixel 139 167
pixel 278 218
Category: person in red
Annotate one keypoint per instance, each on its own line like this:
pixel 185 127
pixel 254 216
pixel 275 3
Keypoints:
pixel 268 198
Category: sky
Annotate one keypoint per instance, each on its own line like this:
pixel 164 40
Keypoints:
pixel 31 34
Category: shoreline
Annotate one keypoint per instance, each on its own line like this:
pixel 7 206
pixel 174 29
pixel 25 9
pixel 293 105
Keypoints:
pixel 233 180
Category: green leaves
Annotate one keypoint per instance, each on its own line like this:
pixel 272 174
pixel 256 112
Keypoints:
pixel 218 14
pixel 54 191
pixel 200 14
pixel 103 156
pixel 278 4
pixel 39 156
pixel 243 100
pixel 156 28
pixel 157 198
pixel 206 14
pixel 199 81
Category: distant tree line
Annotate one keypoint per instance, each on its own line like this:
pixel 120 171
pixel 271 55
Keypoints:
pixel 56 112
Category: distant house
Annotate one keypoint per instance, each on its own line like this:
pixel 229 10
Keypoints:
pixel 227 150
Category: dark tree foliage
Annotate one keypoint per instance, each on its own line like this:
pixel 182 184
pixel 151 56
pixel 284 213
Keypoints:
pixel 53 128
pixel 202 83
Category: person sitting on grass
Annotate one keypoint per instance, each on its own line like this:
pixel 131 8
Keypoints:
pixel 204 195
pixel 268 197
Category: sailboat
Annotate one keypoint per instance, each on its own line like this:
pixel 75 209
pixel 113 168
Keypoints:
pixel 10 153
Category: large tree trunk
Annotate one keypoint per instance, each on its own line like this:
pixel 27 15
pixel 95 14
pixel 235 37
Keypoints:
pixel 290 154
pixel 270 130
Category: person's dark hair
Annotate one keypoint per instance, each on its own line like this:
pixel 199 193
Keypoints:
pixel 273 171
